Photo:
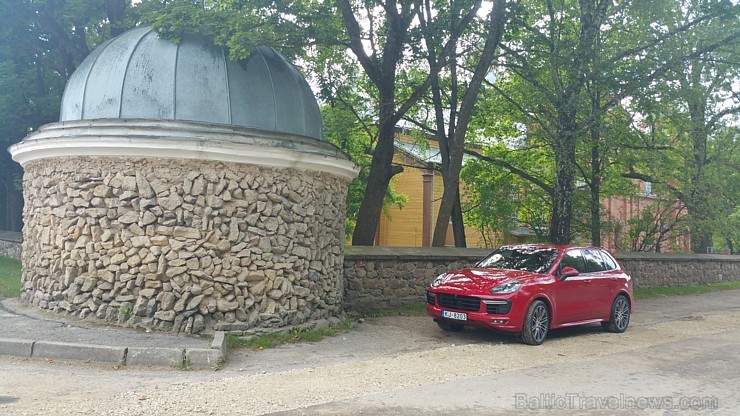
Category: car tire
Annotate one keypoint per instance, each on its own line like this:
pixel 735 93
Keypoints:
pixel 449 326
pixel 619 318
pixel 536 323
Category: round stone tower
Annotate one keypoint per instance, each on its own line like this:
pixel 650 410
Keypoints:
pixel 182 191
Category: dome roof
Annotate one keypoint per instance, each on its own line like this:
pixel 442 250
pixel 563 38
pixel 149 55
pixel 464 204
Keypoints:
pixel 139 75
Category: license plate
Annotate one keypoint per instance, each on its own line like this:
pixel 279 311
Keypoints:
pixel 455 315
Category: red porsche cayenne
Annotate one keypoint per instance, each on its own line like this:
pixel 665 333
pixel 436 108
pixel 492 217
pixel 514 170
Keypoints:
pixel 530 289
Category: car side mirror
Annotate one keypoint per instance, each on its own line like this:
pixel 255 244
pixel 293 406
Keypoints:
pixel 568 272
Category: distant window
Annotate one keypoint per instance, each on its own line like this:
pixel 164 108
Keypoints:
pixel 648 188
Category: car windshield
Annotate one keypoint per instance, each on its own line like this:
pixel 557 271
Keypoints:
pixel 529 259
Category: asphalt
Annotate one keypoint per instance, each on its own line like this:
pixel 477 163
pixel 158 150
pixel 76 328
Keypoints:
pixel 29 332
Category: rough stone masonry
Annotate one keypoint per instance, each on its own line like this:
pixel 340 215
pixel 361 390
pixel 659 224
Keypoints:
pixel 183 245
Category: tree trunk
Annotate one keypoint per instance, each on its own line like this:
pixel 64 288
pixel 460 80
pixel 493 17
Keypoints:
pixel 116 12
pixel 562 202
pixel 11 198
pixel 458 226
pixel 595 201
pixel 381 172
pixel 595 184
pixel 571 85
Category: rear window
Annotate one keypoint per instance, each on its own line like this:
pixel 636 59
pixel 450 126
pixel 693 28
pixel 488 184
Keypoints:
pixel 609 262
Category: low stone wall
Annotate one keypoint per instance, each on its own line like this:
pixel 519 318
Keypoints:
pixel 10 244
pixel 665 269
pixel 378 277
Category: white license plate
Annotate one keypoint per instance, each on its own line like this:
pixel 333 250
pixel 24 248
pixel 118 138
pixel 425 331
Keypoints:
pixel 455 315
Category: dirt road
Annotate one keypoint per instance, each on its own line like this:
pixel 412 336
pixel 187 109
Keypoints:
pixel 680 353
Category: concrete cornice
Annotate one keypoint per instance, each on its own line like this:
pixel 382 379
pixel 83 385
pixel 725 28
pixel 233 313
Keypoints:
pixel 181 140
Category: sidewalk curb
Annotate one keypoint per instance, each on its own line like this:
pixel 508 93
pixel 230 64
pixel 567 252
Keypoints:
pixel 182 358
pixel 78 352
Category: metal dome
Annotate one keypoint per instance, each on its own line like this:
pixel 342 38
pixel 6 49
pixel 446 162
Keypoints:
pixel 139 75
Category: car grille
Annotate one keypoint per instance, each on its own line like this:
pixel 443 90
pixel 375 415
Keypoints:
pixel 430 298
pixel 463 303
pixel 498 308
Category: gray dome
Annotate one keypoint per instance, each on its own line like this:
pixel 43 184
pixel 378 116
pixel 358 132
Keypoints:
pixel 138 75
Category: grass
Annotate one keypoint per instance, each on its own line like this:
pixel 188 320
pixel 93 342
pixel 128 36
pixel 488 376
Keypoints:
pixel 10 277
pixel 653 292
pixel 411 309
pixel 272 340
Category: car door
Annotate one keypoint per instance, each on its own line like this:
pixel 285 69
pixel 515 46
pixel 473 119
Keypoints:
pixel 616 276
pixel 573 296
pixel 601 282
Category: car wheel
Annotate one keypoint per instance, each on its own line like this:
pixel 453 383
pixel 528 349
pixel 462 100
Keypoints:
pixel 620 316
pixel 449 326
pixel 536 323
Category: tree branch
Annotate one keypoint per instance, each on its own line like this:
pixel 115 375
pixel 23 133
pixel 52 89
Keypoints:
pixel 513 169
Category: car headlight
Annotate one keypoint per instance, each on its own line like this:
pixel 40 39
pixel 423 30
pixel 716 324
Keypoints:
pixel 439 279
pixel 508 287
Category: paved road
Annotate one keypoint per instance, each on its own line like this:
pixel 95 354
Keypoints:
pixel 680 353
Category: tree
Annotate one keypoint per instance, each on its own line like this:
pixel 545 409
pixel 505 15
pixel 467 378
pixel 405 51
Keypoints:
pixel 341 127
pixel 452 128
pixel 576 62
pixel 696 116
pixel 43 42
pixel 387 31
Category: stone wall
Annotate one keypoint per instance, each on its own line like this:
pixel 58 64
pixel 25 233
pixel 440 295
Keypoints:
pixel 378 277
pixel 667 269
pixel 183 245
pixel 10 244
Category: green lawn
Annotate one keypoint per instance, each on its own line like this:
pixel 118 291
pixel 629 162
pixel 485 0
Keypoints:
pixel 10 277
pixel 652 292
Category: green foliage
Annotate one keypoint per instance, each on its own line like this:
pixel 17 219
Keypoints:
pixel 654 225
pixel 10 277
pixel 275 339
pixel 628 108
pixel 239 26
pixel 353 137
pixel 498 199
pixel 690 117
pixel 184 365
pixel 43 42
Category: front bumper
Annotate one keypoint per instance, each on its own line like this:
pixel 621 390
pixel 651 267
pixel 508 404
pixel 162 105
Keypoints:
pixel 501 313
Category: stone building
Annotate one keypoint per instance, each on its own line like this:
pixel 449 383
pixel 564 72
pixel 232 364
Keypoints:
pixel 183 191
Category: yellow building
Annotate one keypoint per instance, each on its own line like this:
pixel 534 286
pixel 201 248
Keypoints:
pixel 413 225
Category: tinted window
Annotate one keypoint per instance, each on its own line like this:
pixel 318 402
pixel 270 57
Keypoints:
pixel 530 259
pixel 594 262
pixel 574 259
pixel 608 261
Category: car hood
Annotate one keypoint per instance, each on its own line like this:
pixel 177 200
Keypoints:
pixel 481 280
